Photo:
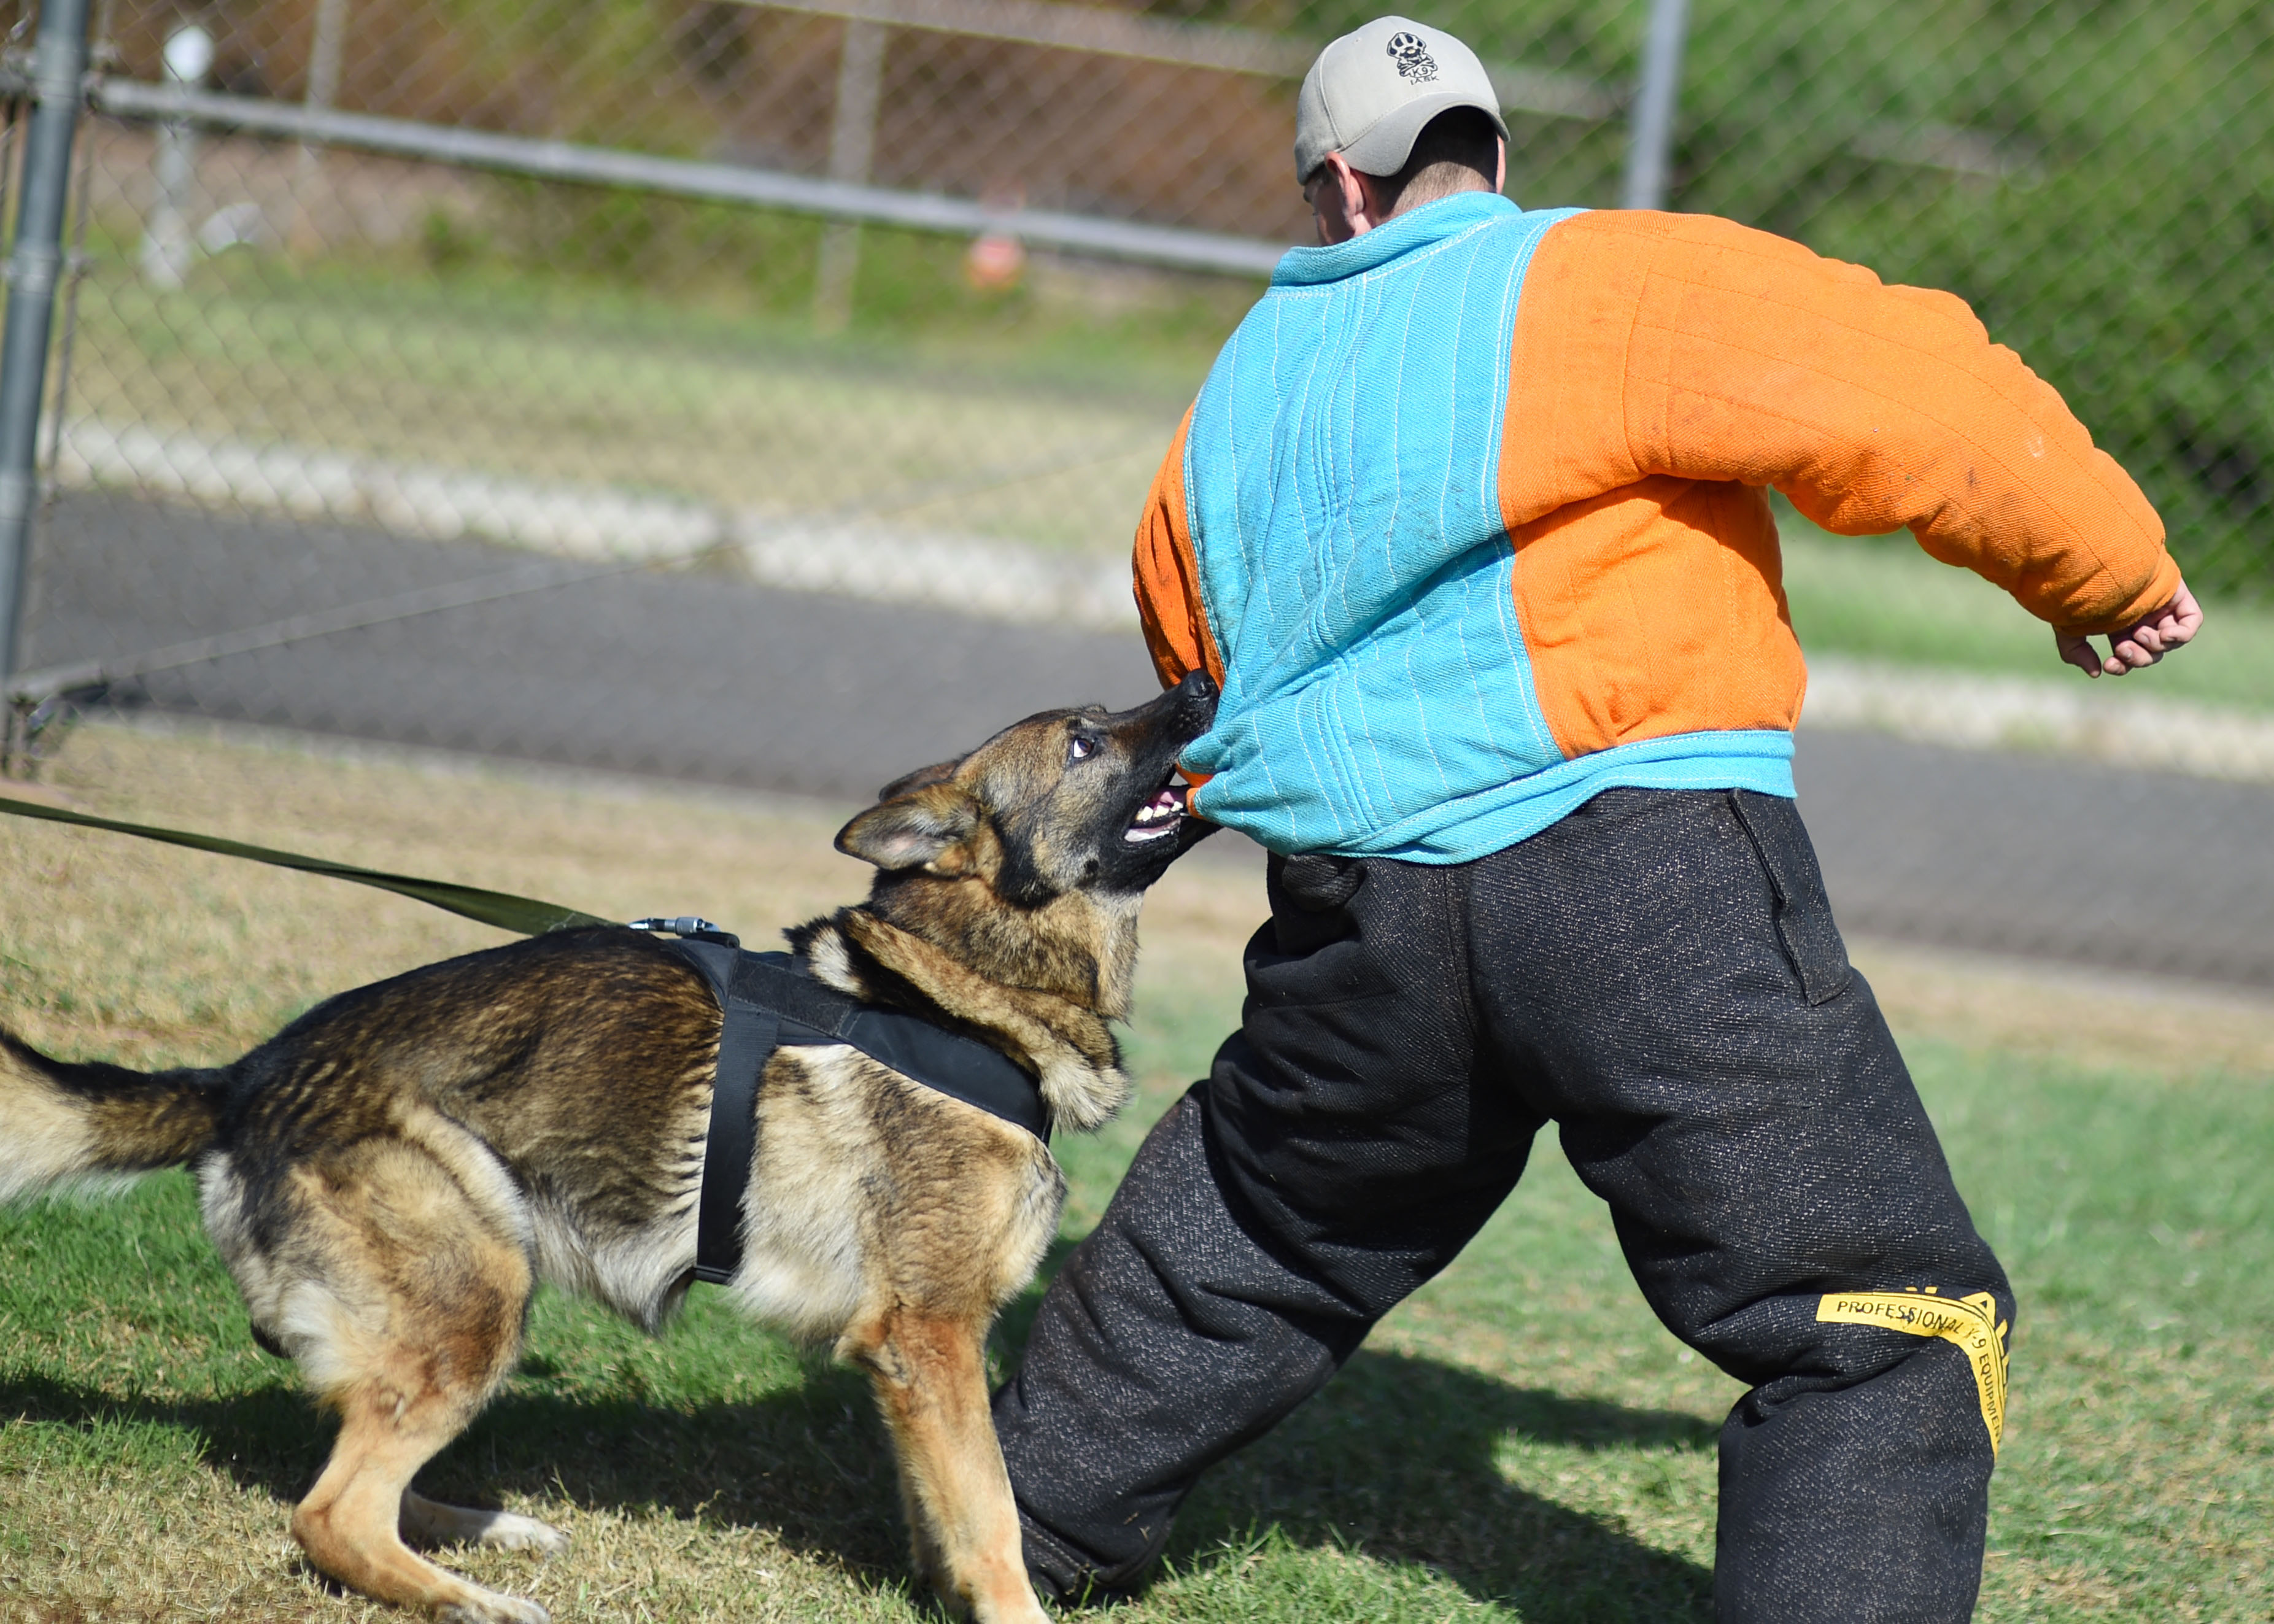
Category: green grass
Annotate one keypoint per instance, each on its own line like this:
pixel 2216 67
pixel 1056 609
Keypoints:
pixel 1520 1441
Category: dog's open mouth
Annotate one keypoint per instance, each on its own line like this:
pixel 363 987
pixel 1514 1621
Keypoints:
pixel 1159 816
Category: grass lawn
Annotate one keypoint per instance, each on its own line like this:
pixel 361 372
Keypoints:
pixel 1520 1441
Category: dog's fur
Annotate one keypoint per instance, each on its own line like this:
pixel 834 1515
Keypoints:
pixel 390 1175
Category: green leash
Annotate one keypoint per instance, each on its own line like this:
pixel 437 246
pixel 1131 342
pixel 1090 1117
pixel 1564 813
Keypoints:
pixel 524 915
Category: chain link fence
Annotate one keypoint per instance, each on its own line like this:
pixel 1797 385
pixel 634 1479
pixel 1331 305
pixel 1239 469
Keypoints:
pixel 760 393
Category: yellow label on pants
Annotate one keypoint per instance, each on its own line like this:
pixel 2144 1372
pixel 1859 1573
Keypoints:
pixel 1970 1321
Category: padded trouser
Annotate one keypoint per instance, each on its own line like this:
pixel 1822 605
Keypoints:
pixel 1659 973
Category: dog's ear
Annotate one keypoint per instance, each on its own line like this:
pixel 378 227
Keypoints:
pixel 907 783
pixel 912 830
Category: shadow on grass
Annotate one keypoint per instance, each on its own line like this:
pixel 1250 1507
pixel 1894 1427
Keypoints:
pixel 809 1461
pixel 1395 1460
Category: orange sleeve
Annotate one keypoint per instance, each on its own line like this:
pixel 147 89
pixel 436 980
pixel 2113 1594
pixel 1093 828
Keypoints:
pixel 1683 346
pixel 1167 577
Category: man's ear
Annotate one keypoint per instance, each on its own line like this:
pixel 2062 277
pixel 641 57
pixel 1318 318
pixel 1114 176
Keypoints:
pixel 912 830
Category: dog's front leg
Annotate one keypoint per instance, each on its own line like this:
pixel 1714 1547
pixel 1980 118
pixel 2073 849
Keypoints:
pixel 930 1377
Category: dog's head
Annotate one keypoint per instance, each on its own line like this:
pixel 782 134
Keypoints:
pixel 1010 882
pixel 1068 802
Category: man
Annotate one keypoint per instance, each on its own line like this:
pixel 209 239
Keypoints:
pixel 1470 523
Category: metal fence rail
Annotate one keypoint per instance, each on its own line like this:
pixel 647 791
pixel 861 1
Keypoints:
pixel 33 272
pixel 1179 248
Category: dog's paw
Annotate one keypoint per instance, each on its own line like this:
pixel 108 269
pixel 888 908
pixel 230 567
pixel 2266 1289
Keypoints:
pixel 510 1532
pixel 427 1522
pixel 490 1607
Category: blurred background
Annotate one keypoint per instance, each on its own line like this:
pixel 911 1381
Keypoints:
pixel 761 394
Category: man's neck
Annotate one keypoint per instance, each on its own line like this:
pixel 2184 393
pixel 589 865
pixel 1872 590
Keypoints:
pixel 1421 191
pixel 1348 203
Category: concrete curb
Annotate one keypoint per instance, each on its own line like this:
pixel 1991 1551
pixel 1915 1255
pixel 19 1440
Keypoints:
pixel 2109 720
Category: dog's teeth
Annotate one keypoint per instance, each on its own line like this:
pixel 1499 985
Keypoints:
pixel 1156 817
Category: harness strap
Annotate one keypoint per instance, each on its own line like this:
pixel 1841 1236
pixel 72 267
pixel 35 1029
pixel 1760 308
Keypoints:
pixel 749 1035
pixel 768 1003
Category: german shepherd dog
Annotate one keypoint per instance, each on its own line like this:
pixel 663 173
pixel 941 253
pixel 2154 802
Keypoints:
pixel 389 1176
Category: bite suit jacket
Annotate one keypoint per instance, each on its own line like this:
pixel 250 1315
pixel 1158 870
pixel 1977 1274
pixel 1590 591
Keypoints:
pixel 1471 518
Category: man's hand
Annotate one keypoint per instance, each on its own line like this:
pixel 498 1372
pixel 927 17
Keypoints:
pixel 2143 642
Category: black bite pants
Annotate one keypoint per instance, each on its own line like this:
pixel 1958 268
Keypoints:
pixel 1658 973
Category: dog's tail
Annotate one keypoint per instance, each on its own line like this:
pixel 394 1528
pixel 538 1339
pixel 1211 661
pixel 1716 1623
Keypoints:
pixel 63 1123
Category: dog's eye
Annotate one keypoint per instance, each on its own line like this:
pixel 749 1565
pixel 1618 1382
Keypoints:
pixel 1077 748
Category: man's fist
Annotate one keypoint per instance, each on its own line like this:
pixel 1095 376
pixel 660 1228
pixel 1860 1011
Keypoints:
pixel 2143 642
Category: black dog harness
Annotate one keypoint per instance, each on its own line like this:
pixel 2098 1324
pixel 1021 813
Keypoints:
pixel 770 1001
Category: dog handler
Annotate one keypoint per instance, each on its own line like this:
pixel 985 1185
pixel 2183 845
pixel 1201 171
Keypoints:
pixel 1470 522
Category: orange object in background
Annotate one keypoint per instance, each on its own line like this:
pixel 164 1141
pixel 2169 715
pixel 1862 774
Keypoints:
pixel 994 263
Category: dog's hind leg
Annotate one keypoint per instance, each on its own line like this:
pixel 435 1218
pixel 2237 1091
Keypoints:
pixel 931 1378
pixel 349 1522
pixel 406 1313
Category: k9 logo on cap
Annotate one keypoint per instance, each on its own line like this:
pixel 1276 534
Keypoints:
pixel 1415 65
pixel 1370 93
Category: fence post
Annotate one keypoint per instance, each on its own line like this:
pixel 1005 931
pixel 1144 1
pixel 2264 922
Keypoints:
pixel 327 51
pixel 168 249
pixel 1649 154
pixel 852 151
pixel 58 84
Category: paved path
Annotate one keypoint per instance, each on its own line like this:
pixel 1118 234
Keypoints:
pixel 695 676
pixel 674 672
pixel 2041 855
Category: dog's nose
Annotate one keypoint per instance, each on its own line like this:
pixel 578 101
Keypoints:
pixel 1197 685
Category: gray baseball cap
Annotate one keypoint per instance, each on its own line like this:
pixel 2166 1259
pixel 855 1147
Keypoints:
pixel 1370 93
